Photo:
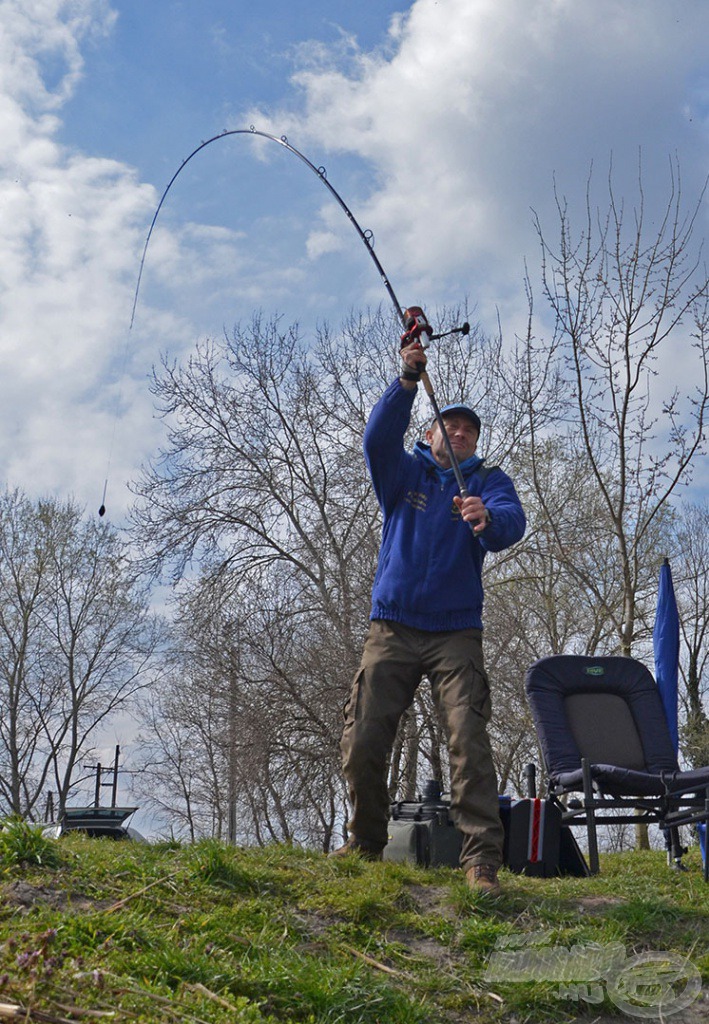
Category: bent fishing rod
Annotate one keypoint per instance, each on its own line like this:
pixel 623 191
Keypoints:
pixel 416 326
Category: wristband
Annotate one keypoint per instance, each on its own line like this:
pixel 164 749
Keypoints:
pixel 409 373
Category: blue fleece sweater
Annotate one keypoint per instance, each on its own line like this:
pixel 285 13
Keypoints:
pixel 430 563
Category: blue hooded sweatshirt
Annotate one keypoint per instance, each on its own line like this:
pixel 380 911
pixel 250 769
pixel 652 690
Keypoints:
pixel 429 574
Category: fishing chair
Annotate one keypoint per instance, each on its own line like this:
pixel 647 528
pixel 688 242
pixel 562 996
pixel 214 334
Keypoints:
pixel 603 734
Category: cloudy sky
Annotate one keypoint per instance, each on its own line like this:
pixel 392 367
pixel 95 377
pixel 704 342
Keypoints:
pixel 443 123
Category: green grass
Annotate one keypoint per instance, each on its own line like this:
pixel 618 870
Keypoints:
pixel 210 933
pixel 24 844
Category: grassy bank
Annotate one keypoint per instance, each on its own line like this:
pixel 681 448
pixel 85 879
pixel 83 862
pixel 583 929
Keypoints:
pixel 102 930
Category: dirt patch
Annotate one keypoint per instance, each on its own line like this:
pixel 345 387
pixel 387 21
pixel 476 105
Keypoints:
pixel 597 904
pixel 422 946
pixel 24 896
pixel 317 929
pixel 432 899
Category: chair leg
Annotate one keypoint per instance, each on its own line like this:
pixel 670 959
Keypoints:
pixel 675 850
pixel 593 864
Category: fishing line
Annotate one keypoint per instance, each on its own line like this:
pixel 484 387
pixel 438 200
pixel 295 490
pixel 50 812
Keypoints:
pixel 114 430
pixel 367 238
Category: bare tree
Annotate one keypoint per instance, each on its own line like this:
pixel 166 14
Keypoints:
pixel 262 469
pixel 691 571
pixel 249 692
pixel 24 586
pixel 76 641
pixel 622 289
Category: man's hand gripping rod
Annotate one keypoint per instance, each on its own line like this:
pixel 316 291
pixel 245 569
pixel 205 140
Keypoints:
pixel 417 327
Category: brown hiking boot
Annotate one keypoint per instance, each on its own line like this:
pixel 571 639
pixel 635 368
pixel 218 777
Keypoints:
pixel 367 851
pixel 483 878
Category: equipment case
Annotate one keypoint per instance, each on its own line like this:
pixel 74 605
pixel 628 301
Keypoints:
pixel 422 832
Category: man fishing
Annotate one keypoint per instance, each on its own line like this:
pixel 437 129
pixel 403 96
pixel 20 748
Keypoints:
pixel 426 618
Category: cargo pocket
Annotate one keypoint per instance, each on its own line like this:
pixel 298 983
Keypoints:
pixel 467 685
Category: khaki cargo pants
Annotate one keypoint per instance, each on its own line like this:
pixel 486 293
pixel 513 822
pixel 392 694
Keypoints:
pixel 395 658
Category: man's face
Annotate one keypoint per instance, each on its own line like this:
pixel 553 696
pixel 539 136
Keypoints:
pixel 462 434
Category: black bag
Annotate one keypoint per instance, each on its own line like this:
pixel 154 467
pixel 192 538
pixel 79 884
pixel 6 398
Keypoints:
pixel 422 832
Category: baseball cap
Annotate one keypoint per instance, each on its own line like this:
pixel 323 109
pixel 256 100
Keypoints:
pixel 462 410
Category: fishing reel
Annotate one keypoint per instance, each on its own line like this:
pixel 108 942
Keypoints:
pixel 417 326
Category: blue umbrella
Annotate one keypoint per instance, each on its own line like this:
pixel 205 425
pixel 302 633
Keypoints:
pixel 665 640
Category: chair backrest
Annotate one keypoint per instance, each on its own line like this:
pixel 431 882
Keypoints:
pixel 607 709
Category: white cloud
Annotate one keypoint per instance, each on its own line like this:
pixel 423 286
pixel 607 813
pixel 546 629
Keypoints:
pixel 481 103
pixel 322 242
pixel 61 283
pixel 456 125
pixel 477 107
pixel 40 55
pixel 71 228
